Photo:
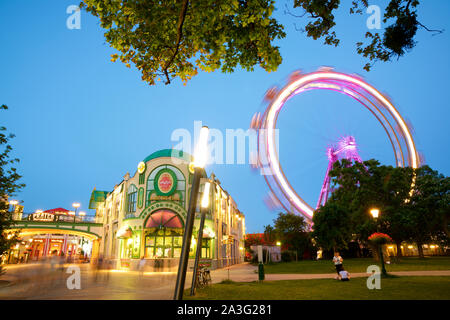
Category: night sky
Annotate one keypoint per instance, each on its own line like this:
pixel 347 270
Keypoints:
pixel 82 121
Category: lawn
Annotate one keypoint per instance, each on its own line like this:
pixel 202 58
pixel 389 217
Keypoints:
pixel 359 265
pixel 428 288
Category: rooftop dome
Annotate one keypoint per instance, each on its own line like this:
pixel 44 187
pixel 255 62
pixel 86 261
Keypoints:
pixel 169 153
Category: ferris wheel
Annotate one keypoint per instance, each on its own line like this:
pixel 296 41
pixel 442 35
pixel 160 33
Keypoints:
pixel 355 87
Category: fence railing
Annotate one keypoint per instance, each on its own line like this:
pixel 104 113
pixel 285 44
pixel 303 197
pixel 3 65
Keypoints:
pixel 61 218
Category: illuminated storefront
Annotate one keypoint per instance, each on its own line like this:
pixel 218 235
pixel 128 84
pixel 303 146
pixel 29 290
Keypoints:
pixel 144 216
pixel 411 250
pixel 54 232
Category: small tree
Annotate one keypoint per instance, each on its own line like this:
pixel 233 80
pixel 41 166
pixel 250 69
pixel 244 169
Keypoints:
pixel 270 234
pixel 428 208
pixel 332 226
pixel 8 186
pixel 291 230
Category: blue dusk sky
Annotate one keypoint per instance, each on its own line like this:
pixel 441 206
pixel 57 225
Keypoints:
pixel 82 121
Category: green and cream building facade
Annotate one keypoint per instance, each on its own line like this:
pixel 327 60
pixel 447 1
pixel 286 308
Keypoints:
pixel 144 216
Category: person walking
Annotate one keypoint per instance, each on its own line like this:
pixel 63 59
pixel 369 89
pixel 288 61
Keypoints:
pixel 337 260
pixel 141 269
pixel 98 267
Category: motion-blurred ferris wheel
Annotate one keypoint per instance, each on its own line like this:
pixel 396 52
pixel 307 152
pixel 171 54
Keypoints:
pixel 381 108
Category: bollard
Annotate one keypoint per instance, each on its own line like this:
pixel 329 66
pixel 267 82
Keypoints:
pixel 261 271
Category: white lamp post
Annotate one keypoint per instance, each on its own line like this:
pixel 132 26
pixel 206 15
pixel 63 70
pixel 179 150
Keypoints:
pixel 200 159
pixel 375 213
pixel 76 205
pixel 203 207
pixel 14 203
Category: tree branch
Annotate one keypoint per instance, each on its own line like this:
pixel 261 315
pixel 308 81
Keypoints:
pixel 430 30
pixel 181 18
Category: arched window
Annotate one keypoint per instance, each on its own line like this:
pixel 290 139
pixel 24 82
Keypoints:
pixel 131 198
pixel 163 235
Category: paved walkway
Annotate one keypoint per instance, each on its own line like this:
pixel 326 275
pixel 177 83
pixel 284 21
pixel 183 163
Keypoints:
pixel 247 273
pixel 133 285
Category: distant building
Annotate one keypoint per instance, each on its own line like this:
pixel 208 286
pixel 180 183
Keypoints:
pixel 39 239
pixel 253 240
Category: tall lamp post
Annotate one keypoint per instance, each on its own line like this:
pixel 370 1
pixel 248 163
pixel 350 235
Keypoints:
pixel 14 203
pixel 76 205
pixel 375 213
pixel 200 158
pixel 203 208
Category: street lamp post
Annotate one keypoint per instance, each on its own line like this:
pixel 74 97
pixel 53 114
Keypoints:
pixel 200 158
pixel 375 212
pixel 14 203
pixel 203 208
pixel 76 205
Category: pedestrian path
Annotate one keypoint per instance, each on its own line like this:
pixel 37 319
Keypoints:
pixel 247 273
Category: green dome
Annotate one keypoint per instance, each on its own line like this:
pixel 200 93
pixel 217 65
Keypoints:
pixel 169 153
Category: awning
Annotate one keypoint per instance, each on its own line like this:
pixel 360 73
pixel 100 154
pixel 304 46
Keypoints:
pixel 124 233
pixel 97 197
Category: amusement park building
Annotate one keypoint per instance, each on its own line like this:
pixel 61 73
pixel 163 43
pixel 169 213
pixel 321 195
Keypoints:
pixel 144 216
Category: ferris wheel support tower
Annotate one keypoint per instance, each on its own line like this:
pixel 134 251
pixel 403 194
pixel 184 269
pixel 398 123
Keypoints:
pixel 346 149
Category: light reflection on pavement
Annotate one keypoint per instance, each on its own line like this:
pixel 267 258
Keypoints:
pixel 112 284
pixel 38 282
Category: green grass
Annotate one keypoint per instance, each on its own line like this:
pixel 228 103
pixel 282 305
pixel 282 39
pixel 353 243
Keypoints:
pixel 359 265
pixel 428 288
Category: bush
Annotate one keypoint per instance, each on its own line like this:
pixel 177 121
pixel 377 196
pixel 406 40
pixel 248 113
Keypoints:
pixel 286 256
pixel 227 281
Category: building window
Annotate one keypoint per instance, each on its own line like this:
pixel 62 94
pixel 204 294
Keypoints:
pixel 131 198
pixel 116 209
pixel 163 243
pixel 206 249
pixel 163 235
pixel 113 244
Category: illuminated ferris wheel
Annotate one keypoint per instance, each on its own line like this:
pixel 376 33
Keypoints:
pixel 381 108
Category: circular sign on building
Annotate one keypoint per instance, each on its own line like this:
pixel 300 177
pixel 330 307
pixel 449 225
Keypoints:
pixel 141 167
pixel 165 182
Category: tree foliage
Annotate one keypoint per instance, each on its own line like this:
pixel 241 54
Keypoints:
pixel 292 231
pixel 8 186
pixel 332 227
pixel 417 214
pixel 168 39
pixel 428 208
pixel 396 39
pixel 175 39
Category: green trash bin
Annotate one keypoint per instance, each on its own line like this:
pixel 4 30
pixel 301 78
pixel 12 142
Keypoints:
pixel 261 271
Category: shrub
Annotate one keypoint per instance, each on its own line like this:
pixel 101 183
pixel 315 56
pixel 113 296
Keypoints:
pixel 286 256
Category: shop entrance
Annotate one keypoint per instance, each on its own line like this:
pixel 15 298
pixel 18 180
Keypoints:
pixel 163 235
